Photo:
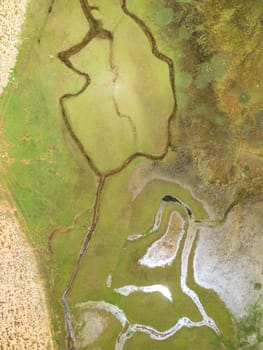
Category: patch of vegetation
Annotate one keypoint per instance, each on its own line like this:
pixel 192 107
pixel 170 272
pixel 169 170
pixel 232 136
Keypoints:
pixel 164 16
pixel 213 70
pixel 257 286
pixel 259 120
pixel 249 330
pixel 246 168
pixel 244 97
pixel 49 181
pixel 183 80
pixel 184 1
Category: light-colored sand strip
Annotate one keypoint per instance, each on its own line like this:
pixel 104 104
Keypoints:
pixel 12 16
pixel 135 237
pixel 129 289
pixel 163 251
pixel 24 322
pixel 158 335
pixel 158 217
pixel 188 245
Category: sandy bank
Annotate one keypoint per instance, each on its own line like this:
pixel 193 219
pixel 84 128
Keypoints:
pixel 24 320
pixel 12 16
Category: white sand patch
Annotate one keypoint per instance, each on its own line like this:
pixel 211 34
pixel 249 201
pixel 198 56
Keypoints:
pixel 109 281
pixel 24 322
pixel 163 251
pixel 229 258
pixel 91 325
pixel 12 16
pixel 129 289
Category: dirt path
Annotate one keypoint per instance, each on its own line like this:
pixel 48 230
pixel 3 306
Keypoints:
pixel 24 320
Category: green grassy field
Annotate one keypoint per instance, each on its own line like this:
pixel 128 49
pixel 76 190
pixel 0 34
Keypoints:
pixel 48 179
pixel 142 91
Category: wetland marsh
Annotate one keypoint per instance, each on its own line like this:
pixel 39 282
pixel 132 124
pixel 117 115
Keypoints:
pixel 100 99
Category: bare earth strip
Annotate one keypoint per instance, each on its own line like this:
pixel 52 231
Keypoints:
pixel 12 15
pixel 24 320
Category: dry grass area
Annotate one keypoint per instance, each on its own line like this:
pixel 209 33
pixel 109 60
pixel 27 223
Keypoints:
pixel 24 320
pixel 12 15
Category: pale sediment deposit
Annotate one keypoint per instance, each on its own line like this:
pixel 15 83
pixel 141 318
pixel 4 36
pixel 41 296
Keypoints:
pixel 24 322
pixel 163 251
pixel 12 16
pixel 129 289
pixel 229 257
